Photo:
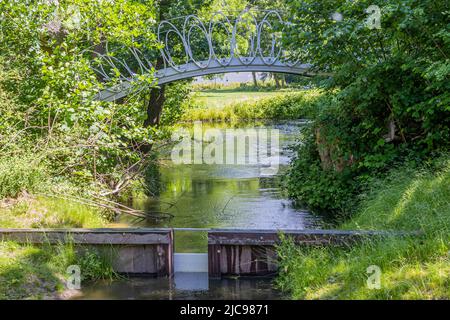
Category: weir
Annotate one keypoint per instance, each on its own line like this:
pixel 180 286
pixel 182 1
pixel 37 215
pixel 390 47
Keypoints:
pixel 131 251
pixel 231 252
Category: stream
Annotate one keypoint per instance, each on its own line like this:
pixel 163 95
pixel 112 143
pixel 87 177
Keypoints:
pixel 211 196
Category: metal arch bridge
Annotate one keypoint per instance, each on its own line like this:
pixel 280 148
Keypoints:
pixel 264 52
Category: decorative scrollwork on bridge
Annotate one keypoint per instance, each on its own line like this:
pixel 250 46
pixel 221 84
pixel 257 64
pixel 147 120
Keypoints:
pixel 250 41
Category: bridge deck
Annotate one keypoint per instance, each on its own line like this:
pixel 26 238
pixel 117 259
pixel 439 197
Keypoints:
pixel 190 70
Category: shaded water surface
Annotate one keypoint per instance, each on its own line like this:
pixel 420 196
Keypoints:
pixel 222 196
pixel 183 287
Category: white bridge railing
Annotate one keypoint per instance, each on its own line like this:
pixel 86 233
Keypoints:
pixel 191 48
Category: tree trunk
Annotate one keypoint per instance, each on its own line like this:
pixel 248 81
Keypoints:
pixel 155 106
pixel 157 95
pixel 277 81
pixel 255 82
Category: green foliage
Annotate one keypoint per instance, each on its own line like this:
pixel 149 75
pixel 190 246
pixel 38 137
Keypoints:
pixel 413 267
pixel 325 192
pixel 176 102
pixel 94 267
pixel 388 94
pixel 290 105
pixel 31 272
pixel 48 83
pixel 19 174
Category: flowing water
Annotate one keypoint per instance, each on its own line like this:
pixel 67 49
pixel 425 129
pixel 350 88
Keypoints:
pixel 212 196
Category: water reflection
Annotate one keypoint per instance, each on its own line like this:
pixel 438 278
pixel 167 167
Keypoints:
pixel 221 196
pixel 183 286
pixel 215 196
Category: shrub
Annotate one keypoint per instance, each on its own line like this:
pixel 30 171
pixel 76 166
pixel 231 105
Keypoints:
pixel 291 105
pixel 20 173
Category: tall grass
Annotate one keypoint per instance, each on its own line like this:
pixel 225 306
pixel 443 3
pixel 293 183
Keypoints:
pixel 20 173
pixel 32 272
pixel 45 212
pixel 291 105
pixel 22 178
pixel 413 267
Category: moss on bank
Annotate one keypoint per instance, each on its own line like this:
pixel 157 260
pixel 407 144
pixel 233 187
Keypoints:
pixel 411 267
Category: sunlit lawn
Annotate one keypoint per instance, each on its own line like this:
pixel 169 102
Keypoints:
pixel 221 98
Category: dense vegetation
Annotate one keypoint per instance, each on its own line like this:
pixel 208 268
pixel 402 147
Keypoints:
pixel 412 267
pixel 47 88
pixel 32 272
pixel 372 156
pixel 65 156
pixel 387 102
pixel 285 105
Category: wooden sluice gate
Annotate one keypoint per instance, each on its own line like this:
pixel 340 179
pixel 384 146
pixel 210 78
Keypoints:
pixel 241 252
pixel 130 250
pixel 253 252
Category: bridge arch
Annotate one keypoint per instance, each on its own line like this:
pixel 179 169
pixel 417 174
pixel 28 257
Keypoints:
pixel 265 52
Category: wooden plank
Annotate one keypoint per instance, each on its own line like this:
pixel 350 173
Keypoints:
pixel 132 251
pixel 123 262
pixel 88 236
pixel 252 252
pixel 245 260
pixel 214 261
pixel 241 260
pixel 272 237
pixel 165 258
pixel 170 249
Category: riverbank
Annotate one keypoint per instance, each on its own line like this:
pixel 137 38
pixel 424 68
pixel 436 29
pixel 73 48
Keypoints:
pixel 40 272
pixel 407 199
pixel 33 194
pixel 248 106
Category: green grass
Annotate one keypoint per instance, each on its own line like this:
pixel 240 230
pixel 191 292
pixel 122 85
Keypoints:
pixel 44 212
pixel 271 105
pixel 416 267
pixel 39 272
pixel 221 98
pixel 22 178
pixel 31 272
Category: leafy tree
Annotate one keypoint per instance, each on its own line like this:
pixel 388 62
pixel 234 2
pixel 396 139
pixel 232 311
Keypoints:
pixel 389 86
pixel 46 74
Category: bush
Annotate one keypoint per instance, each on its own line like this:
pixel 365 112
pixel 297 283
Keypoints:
pixel 344 148
pixel 20 173
pixel 324 192
pixel 40 272
pixel 383 108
